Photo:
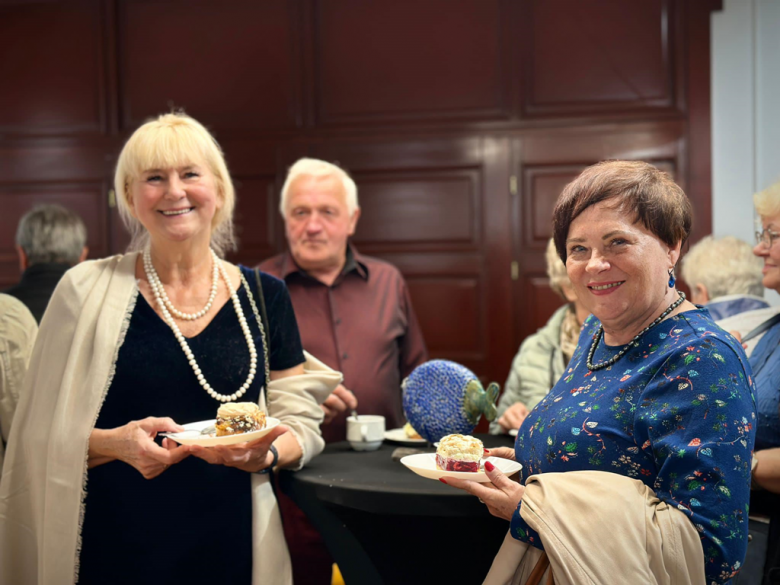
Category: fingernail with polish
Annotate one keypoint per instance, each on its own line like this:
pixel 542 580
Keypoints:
pixel 486 451
pixel 489 466
pixel 441 479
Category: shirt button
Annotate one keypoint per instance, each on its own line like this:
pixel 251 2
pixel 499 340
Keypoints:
pixel 338 321
pixel 345 356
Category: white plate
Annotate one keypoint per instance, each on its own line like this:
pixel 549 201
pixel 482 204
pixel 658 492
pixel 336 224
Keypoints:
pixel 191 435
pixel 399 436
pixel 424 464
pixel 512 432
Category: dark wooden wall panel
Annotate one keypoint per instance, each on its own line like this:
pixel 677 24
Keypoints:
pixel 438 109
pixel 409 60
pixel 46 90
pixel 231 63
pixel 604 57
pixel 429 208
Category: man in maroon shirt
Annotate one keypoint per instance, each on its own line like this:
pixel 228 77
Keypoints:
pixel 354 313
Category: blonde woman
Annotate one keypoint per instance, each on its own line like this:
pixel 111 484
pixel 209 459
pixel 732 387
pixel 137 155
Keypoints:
pixel 134 345
pixel 543 356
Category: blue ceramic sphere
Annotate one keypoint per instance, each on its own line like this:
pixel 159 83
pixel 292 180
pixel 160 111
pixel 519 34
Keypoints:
pixel 441 397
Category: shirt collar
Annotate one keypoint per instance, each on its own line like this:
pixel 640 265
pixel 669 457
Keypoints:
pixel 354 263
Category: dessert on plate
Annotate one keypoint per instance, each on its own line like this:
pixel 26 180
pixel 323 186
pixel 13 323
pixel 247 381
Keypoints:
pixel 410 432
pixel 459 453
pixel 235 418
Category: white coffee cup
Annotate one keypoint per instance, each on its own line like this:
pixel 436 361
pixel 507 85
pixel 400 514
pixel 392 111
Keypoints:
pixel 366 431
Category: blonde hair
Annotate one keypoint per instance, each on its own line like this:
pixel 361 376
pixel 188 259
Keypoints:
pixel 556 270
pixel 767 202
pixel 726 266
pixel 171 141
pixel 313 167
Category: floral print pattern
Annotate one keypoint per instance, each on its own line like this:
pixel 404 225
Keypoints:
pixel 676 412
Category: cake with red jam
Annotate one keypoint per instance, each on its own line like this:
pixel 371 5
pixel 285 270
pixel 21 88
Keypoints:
pixel 235 418
pixel 459 453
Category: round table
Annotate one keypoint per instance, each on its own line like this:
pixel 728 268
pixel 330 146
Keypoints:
pixel 383 524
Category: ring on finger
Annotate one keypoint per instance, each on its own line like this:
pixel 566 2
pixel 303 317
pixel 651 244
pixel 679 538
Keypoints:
pixel 481 501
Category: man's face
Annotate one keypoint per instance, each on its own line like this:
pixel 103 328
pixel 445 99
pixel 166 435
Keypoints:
pixel 318 223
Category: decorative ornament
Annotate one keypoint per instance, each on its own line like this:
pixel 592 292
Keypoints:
pixel 441 397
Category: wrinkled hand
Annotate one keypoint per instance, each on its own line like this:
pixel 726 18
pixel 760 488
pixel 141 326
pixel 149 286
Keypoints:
pixel 501 453
pixel 339 401
pixel 250 457
pixel 134 444
pixel 513 417
pixel 502 496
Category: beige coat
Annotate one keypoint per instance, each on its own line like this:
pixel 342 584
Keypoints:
pixel 44 485
pixel 601 528
pixel 18 329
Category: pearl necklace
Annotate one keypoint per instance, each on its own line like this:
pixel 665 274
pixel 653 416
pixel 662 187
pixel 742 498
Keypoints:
pixel 186 348
pixel 157 287
pixel 633 343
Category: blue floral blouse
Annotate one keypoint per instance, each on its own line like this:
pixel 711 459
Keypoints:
pixel 677 412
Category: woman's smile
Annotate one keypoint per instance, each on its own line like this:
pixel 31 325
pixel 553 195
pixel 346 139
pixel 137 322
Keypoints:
pixel 604 288
pixel 175 212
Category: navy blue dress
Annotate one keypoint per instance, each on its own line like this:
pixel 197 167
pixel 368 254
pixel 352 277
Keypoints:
pixel 677 413
pixel 192 523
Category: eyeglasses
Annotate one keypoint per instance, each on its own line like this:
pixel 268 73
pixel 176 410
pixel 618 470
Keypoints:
pixel 766 237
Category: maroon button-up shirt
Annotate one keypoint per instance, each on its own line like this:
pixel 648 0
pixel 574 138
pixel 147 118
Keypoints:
pixel 363 325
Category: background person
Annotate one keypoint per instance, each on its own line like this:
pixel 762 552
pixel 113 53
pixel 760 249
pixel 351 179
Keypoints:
pixel 724 275
pixel 354 313
pixel 17 336
pixel 543 356
pixel 655 392
pixel 50 239
pixel 133 344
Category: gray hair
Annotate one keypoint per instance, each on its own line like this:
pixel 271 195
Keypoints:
pixel 51 233
pixel 726 266
pixel 313 167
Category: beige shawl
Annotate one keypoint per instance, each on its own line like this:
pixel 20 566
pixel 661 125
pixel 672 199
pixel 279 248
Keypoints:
pixel 44 485
pixel 599 527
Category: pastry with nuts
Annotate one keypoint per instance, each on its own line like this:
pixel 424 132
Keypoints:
pixel 235 418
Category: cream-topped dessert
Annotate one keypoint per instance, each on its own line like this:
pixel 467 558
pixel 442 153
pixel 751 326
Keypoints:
pixel 410 432
pixel 459 453
pixel 234 418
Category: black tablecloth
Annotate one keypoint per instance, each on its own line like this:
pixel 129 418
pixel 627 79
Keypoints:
pixel 384 524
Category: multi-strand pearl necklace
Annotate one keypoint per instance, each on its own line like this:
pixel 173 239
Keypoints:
pixel 633 343
pixel 157 287
pixel 151 275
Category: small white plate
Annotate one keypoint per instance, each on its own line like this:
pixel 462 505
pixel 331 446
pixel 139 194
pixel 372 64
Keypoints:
pixel 512 432
pixel 191 435
pixel 424 464
pixel 399 436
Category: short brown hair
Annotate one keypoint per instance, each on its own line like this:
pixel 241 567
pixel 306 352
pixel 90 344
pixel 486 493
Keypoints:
pixel 638 188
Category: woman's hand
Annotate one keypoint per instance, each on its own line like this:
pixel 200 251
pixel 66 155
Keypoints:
pixel 250 457
pixel 501 453
pixel 502 496
pixel 134 444
pixel 513 416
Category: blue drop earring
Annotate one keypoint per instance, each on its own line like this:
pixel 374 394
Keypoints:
pixel 672 280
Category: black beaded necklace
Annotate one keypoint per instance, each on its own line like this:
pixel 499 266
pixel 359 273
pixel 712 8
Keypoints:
pixel 633 343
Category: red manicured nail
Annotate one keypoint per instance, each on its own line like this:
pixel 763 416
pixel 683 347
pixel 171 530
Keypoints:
pixel 489 466
pixel 486 450
pixel 441 479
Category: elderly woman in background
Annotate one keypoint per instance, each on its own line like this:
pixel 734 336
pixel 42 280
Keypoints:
pixel 651 428
pixel 543 356
pixel 724 275
pixel 133 345
pixel 765 360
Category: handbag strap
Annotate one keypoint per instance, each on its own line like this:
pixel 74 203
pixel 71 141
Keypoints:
pixel 535 578
pixel 768 324
pixel 262 323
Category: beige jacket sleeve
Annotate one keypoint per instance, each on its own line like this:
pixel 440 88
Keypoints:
pixel 599 527
pixel 17 336
pixel 295 400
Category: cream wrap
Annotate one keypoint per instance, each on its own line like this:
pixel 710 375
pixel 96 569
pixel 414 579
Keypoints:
pixel 44 481
pixel 599 527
